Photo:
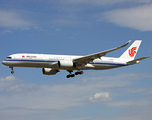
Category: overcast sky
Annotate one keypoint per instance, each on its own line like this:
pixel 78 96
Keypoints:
pixel 75 27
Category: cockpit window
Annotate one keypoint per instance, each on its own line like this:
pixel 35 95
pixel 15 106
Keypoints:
pixel 9 58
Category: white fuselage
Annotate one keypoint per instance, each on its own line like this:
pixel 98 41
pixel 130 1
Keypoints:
pixel 51 64
pixel 50 61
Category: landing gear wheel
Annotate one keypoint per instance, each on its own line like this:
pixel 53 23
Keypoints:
pixel 12 72
pixel 76 73
pixel 70 75
pixel 79 73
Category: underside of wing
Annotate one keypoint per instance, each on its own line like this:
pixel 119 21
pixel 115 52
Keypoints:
pixel 82 61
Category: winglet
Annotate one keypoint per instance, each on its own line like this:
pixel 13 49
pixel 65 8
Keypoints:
pixel 128 42
pixel 124 44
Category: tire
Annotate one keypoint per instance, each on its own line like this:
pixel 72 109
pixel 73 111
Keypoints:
pixel 12 72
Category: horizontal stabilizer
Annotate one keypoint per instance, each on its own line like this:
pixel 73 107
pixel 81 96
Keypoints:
pixel 136 61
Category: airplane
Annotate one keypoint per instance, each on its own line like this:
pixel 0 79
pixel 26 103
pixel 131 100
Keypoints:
pixel 52 64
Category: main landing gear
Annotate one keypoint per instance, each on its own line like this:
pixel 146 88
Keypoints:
pixel 79 73
pixel 73 75
pixel 11 69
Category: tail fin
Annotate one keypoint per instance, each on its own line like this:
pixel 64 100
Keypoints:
pixel 131 52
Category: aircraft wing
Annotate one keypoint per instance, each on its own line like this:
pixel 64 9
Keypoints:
pixel 82 61
pixel 136 61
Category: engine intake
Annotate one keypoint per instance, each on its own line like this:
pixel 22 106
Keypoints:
pixel 49 71
pixel 65 64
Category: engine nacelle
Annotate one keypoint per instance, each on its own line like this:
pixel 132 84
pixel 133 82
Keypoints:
pixel 65 64
pixel 49 71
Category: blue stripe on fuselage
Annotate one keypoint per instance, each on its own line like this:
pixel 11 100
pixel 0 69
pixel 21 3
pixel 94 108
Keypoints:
pixel 93 63
pixel 120 64
pixel 30 60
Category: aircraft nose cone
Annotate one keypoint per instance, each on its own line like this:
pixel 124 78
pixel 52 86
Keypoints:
pixel 3 62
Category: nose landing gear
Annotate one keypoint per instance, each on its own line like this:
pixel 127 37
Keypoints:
pixel 12 70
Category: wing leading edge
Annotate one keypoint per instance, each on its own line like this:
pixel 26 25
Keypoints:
pixel 82 61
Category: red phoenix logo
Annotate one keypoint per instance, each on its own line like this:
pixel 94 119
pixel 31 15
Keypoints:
pixel 132 51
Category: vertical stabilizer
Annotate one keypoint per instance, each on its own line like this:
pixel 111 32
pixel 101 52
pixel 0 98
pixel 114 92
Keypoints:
pixel 131 52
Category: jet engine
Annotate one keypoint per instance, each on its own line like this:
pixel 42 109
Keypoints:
pixel 49 71
pixel 65 64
